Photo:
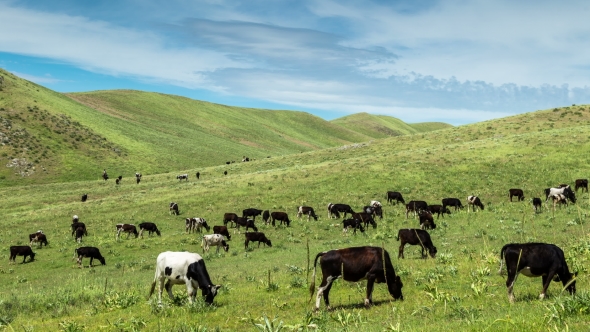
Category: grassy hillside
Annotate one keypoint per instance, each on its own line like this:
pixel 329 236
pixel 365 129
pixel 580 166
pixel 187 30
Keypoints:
pixel 459 290
pixel 381 126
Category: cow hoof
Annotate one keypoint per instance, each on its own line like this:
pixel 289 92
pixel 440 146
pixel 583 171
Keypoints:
pixel 367 303
pixel 542 296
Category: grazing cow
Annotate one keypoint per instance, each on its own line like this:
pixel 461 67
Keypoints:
pixel 118 179
pixel 198 175
pixel 174 208
pixel 280 216
pixel 454 202
pixel 474 201
pixel 245 222
pixel 183 268
pixel 558 198
pixel 251 213
pixel 395 196
pixel 416 207
pixel 354 264
pixel 438 209
pixel 230 217
pixel 415 237
pixel 582 183
pixel 376 204
pixel 21 251
pixel 105 176
pixel 127 228
pixel 266 217
pixel 75 218
pixel 150 227
pixel 88 252
pixel 516 193
pixel 38 237
pixel 84 197
pixel 195 225
pixel 537 204
pixel 137 177
pixel 566 191
pixel 426 220
pixel 76 225
pixel 536 260
pixel 308 210
pixel 256 237
pixel 365 218
pixel 182 177
pixel 224 172
pixel 354 224
pixel 228 162
pixel 221 230
pixel 214 240
pixel 374 210
pixel 335 209
pixel 80 231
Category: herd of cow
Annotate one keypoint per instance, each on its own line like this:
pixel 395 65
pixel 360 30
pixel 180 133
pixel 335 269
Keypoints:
pixel 350 264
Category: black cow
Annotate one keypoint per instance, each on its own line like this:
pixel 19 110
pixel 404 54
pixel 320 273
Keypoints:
pixel 245 222
pixel 516 193
pixel 365 218
pixel 454 202
pixel 537 204
pixel 230 217
pixel 426 220
pixel 354 264
pixel 198 175
pixel 415 237
pixel 222 230
pixel 415 206
pixel 374 210
pixel 438 209
pixel 536 260
pixel 84 197
pixel 150 227
pixel 266 217
pixel 280 216
pixel 118 180
pixel 335 209
pixel 38 237
pixel 21 251
pixel 475 202
pixel 88 252
pixel 582 183
pixel 354 224
pixel 224 172
pixel 137 178
pixel 251 213
pixel 105 176
pixel 76 225
pixel 395 196
pixel 127 228
pixel 256 237
pixel 307 210
pixel 80 231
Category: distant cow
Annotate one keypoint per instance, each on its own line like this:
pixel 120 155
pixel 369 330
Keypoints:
pixel 118 180
pixel 416 207
pixel 335 209
pixel 256 237
pixel 395 196
pixel 88 252
pixel 582 183
pixel 306 210
pixel 224 172
pixel 565 191
pixel 266 216
pixel 474 201
pixel 137 177
pixel 537 204
pixel 221 230
pixel 366 218
pixel 127 228
pixel 76 225
pixel 195 225
pixel 150 227
pixel 245 222
pixel 214 240
pixel 38 237
pixel 536 260
pixel 183 268
pixel 230 217
pixel 355 264
pixel 198 175
pixel 415 237
pixel 80 232
pixel 516 193
pixel 354 224
pixel 182 177
pixel 558 198
pixel 454 202
pixel 84 197
pixel 438 209
pixel 426 220
pixel 105 176
pixel 373 210
pixel 280 216
pixel 251 213
pixel 174 208
pixel 21 251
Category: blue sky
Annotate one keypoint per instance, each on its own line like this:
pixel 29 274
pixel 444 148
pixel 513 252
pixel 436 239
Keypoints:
pixel 453 61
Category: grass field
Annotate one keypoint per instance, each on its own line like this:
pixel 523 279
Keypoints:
pixel 459 290
pixel 382 126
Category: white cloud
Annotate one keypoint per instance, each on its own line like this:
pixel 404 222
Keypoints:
pixel 47 79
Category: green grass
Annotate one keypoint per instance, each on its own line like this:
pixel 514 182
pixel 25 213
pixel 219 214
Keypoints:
pixel 459 290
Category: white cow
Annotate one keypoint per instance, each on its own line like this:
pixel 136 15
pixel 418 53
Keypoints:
pixel 183 268
pixel 214 240
pixel 376 204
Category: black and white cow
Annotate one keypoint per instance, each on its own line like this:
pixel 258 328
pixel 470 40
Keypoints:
pixel 186 268
pixel 415 237
pixel 221 230
pixel 306 210
pixel 365 218
pixel 582 183
pixel 537 204
pixel 127 228
pixel 150 227
pixel 375 211
pixel 283 217
pixel 256 237
pixel 105 176
pixel 38 237
pixel 230 217
pixel 137 178
pixel 245 222
pixel 518 193
pixel 251 213
pixel 88 252
pixel 474 201
pixel 21 251
pixel 174 208
pixel 558 198
pixel 355 264
pixel 451 201
pixel 426 220
pixel 216 240
pixel 266 217
pixel 395 196
pixel 195 225
pixel 438 209
pixel 118 179
pixel 182 177
pixel 536 260
pixel 84 197
pixel 336 209
pixel 565 191
pixel 75 219
pixel 354 224
pixel 76 226
pixel 416 207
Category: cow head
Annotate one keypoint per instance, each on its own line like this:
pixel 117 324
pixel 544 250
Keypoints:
pixel 210 292
pixel 268 243
pixel 158 232
pixel 395 288
pixel 225 245
pixel 206 226
pixel 32 256
pixel 432 251
pixel 101 260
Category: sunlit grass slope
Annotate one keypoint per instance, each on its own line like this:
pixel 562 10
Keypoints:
pixel 460 290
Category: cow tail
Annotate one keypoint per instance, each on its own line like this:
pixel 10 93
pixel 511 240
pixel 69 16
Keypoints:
pixel 154 283
pixel 75 252
pixel 502 258
pixel 312 285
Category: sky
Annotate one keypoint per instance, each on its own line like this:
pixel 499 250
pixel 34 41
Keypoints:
pixel 453 61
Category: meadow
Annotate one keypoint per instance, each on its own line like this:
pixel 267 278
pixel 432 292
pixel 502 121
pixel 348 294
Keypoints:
pixel 266 288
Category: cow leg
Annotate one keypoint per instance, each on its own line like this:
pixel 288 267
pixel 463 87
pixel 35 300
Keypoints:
pixel 324 290
pixel 401 250
pixel 217 251
pixel 370 286
pixel 190 290
pixel 423 254
pixel 91 258
pixel 141 233
pixel 510 282
pixel 546 282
